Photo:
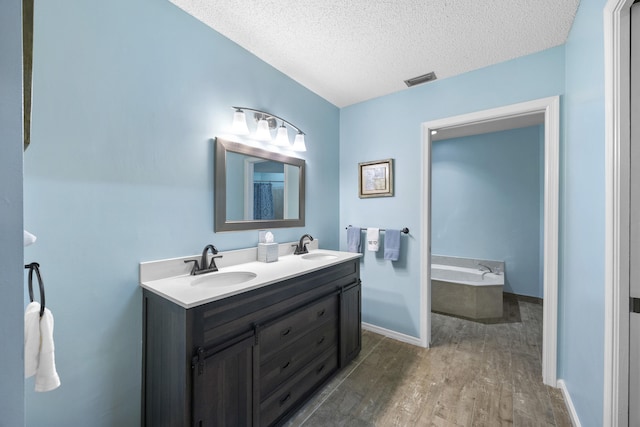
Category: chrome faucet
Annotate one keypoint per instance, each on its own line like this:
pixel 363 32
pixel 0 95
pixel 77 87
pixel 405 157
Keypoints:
pixel 202 268
pixel 301 247
pixel 485 266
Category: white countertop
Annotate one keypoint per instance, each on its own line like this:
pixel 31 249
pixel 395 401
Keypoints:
pixel 179 288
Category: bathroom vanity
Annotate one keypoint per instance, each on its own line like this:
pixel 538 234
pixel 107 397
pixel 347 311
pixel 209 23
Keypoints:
pixel 254 353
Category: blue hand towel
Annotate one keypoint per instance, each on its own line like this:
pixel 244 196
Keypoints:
pixel 392 245
pixel 353 239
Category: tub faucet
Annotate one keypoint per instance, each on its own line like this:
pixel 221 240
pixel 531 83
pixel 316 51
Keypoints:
pixel 485 266
pixel 301 247
pixel 202 268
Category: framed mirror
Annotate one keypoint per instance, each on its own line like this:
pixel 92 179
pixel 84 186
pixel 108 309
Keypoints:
pixel 255 188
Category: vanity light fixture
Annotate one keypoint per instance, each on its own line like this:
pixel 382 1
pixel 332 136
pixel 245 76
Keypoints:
pixel 263 133
pixel 266 122
pixel 282 137
pixel 239 125
pixel 298 143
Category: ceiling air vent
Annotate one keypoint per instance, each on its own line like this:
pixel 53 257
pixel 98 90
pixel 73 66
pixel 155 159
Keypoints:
pixel 421 79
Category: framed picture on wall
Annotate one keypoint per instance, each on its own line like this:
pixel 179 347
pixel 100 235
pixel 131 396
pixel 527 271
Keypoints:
pixel 375 179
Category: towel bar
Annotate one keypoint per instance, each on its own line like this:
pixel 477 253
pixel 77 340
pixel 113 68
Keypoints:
pixel 405 230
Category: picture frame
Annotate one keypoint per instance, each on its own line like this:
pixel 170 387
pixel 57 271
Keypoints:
pixel 375 179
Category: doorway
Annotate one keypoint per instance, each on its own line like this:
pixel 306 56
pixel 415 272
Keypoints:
pixel 549 110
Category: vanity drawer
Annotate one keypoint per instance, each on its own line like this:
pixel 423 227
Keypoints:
pixel 290 359
pixel 298 387
pixel 294 325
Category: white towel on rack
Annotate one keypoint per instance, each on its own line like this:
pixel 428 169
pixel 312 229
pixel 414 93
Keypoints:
pixel 47 378
pixel 31 339
pixel 373 239
pixel 39 349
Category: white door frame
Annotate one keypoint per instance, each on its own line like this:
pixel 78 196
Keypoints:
pixel 550 107
pixel 617 45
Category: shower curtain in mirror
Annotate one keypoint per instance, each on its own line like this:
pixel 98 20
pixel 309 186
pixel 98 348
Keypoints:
pixel 262 201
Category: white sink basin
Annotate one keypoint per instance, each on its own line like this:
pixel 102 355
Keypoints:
pixel 230 278
pixel 319 256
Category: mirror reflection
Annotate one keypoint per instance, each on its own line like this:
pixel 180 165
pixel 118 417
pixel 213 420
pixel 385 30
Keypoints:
pixel 265 189
pixel 256 188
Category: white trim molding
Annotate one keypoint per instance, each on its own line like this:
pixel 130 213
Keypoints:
pixel 392 334
pixel 617 48
pixel 550 107
pixel 569 403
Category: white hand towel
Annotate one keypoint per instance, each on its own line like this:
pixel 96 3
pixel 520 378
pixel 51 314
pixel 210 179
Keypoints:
pixel 47 378
pixel 39 358
pixel 31 339
pixel 373 237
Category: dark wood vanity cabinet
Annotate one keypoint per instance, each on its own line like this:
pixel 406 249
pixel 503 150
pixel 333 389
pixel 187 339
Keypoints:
pixel 251 359
pixel 223 384
pixel 350 320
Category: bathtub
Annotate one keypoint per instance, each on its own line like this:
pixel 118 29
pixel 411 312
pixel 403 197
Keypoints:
pixel 462 288
pixel 465 275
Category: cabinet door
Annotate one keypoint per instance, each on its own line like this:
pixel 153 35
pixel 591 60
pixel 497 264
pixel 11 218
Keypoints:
pixel 350 323
pixel 223 384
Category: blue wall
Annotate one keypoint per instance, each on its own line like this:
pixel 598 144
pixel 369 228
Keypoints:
pixel 11 246
pixel 127 98
pixel 128 94
pixel 582 222
pixel 391 291
pixel 390 127
pixel 486 202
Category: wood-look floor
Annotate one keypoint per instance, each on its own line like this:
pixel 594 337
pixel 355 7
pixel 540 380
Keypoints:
pixel 475 374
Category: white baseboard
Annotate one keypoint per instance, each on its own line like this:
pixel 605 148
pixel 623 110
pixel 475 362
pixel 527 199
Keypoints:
pixel 392 334
pixel 567 398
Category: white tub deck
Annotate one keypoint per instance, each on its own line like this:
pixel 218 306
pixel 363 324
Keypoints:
pixel 466 290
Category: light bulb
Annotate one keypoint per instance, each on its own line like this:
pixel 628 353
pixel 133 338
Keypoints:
pixel 298 143
pixel 239 126
pixel 263 133
pixel 282 137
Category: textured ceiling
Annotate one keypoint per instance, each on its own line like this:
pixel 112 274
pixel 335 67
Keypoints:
pixel 348 51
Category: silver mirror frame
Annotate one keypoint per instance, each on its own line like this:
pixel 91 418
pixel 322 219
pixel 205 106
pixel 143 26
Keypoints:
pixel 220 188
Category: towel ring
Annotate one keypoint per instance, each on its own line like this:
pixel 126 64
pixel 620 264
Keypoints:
pixel 35 266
